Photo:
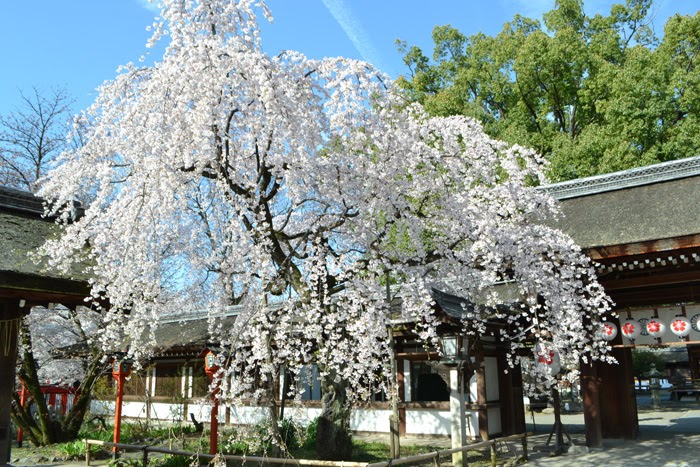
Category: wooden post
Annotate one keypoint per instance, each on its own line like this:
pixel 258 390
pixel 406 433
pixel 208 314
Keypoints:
pixel 10 317
pixel 591 405
pixel 401 381
pixel 394 441
pixel 394 423
pixel 457 415
pixel 481 400
pixel 558 432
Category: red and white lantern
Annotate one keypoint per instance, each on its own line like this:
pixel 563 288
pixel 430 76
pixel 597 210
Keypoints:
pixel 656 327
pixel 631 329
pixel 547 358
pixel 608 331
pixel 680 326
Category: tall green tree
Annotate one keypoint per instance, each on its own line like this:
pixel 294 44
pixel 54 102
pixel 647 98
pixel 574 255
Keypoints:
pixel 593 94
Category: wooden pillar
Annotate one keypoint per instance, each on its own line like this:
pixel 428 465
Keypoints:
pixel 10 318
pixel 401 381
pixel 510 388
pixel 591 405
pixel 457 415
pixel 618 404
pixel 481 400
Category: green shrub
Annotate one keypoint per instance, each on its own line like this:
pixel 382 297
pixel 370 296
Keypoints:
pixel 174 461
pixel 309 439
pixel 236 445
pixel 76 449
pixel 291 433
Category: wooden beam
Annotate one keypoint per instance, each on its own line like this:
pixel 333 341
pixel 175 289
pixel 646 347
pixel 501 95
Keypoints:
pixel 651 280
pixel 670 294
pixel 640 248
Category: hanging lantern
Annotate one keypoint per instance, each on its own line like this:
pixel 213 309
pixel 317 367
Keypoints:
pixel 680 326
pixel 608 331
pixel 656 327
pixel 546 357
pixel 631 329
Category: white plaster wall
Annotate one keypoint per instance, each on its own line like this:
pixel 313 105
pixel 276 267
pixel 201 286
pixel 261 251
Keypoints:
pixel 102 408
pixel 494 415
pixel 302 415
pixel 247 415
pixel 373 420
pixel 407 381
pixel 134 409
pixel 418 421
pixel 202 410
pixel 167 411
pixel 491 377
pixel 437 422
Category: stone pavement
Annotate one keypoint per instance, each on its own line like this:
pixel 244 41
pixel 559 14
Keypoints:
pixel 668 437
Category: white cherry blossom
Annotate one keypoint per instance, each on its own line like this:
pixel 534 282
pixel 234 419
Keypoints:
pixel 293 188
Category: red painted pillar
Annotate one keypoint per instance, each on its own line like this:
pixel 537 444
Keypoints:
pixel 22 402
pixel 211 368
pixel 64 403
pixel 118 409
pixel 214 432
pixel 120 370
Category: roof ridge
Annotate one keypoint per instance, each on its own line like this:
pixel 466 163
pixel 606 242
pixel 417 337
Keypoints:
pixel 646 175
pixel 21 200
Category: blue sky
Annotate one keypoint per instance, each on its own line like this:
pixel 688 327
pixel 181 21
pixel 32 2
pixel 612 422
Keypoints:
pixel 81 43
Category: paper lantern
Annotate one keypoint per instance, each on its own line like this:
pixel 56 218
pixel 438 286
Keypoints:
pixel 631 329
pixel 608 331
pixel 656 327
pixel 546 357
pixel 680 326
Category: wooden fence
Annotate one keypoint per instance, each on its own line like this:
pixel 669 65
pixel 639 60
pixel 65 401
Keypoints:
pixel 146 450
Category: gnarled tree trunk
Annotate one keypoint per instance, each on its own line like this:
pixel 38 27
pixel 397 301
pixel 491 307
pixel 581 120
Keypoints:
pixel 44 428
pixel 333 438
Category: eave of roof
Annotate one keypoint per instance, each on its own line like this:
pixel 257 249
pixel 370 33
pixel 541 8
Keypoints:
pixel 19 200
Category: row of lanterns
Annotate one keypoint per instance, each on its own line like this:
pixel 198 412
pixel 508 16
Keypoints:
pixel 632 329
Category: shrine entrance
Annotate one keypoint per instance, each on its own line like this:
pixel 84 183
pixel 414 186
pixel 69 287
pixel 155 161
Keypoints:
pixel 641 229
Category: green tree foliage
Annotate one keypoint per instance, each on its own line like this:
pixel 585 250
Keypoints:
pixel 594 94
pixel 642 361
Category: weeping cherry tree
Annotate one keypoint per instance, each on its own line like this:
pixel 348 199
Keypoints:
pixel 293 188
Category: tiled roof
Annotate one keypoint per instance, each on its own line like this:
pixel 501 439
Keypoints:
pixel 23 229
pixel 651 203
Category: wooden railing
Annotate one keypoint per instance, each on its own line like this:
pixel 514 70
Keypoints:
pixel 146 450
pixel 436 455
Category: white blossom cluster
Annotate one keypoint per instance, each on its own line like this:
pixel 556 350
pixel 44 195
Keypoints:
pixel 222 176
